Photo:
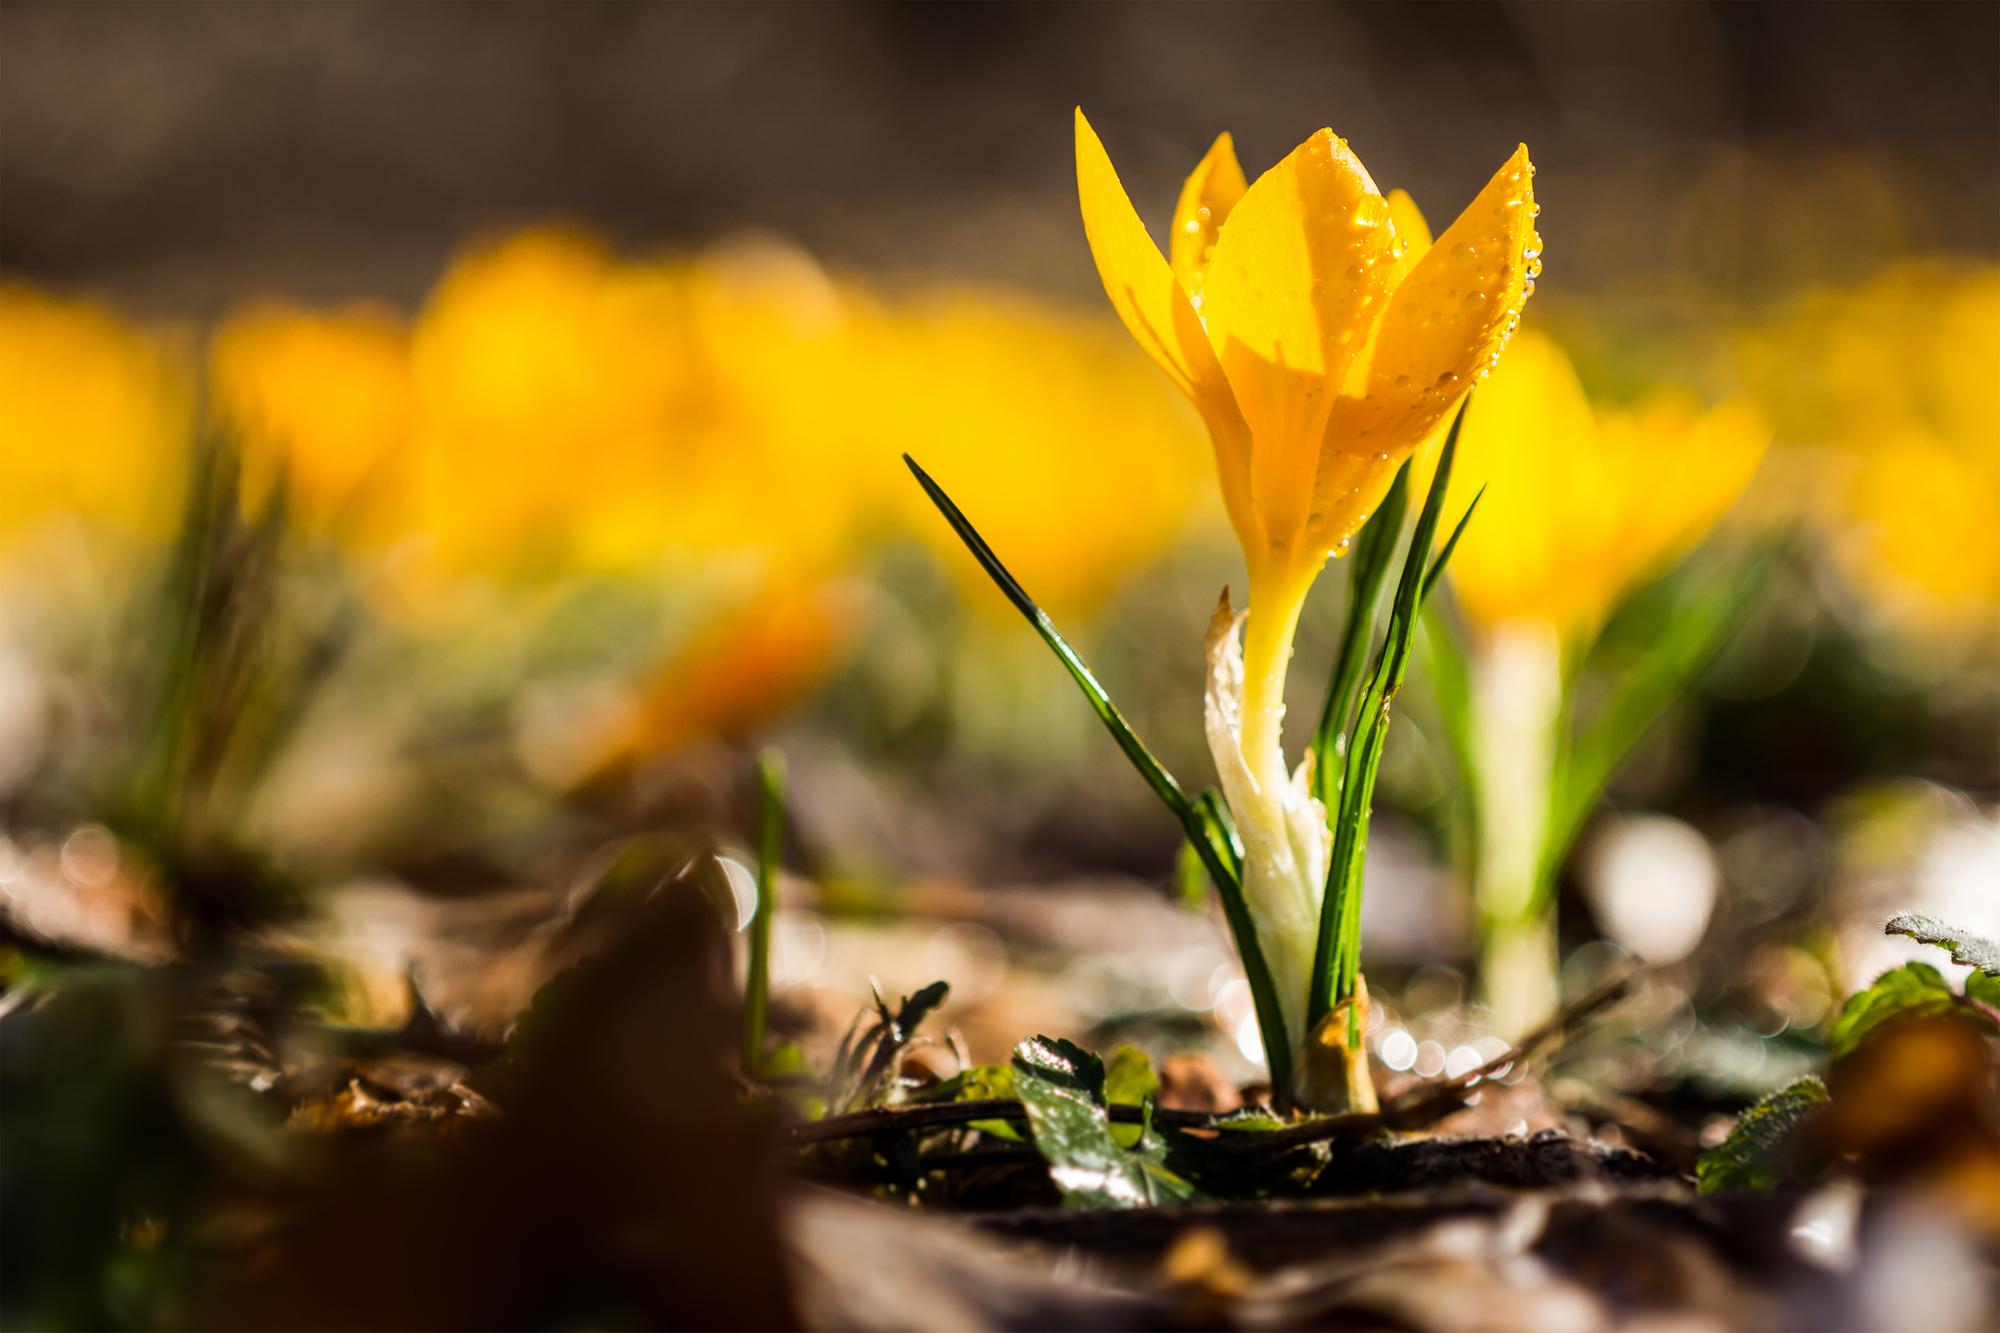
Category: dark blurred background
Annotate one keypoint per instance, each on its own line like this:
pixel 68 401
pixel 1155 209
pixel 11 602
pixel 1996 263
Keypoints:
pixel 174 156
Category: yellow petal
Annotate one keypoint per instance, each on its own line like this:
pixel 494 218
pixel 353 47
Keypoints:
pixel 1206 199
pixel 1448 321
pixel 1156 311
pixel 1304 266
pixel 1409 220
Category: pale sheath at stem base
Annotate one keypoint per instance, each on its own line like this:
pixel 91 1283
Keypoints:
pixel 1286 839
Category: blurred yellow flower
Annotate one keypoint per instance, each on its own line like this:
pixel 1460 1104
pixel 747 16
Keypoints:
pixel 1040 413
pixel 94 419
pixel 1890 436
pixel 582 413
pixel 319 402
pixel 1581 504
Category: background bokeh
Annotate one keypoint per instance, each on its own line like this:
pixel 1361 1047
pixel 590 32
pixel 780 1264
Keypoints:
pixel 560 358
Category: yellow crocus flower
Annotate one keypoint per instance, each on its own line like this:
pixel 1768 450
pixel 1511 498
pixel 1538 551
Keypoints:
pixel 1582 504
pixel 1322 341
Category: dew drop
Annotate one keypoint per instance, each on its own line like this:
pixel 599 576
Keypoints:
pixel 1191 227
pixel 1355 272
pixel 1402 381
pixel 1445 380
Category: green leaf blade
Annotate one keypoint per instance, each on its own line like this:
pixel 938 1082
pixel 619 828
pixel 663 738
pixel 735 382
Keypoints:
pixel 1966 949
pixel 1910 991
pixel 1759 1152
pixel 1062 1087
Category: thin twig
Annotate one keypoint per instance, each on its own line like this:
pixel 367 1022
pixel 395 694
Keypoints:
pixel 1425 1106
pixel 899 1119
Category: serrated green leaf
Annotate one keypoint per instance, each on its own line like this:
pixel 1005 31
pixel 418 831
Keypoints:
pixel 1062 1086
pixel 1984 988
pixel 1966 948
pixel 1759 1152
pixel 1909 991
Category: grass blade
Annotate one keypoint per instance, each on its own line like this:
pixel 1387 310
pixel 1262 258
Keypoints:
pixel 770 851
pixel 1337 953
pixel 1371 568
pixel 1204 823
pixel 1695 631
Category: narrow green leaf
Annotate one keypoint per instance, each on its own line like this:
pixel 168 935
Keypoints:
pixel 1062 1087
pixel 1155 774
pixel 1222 832
pixel 1337 952
pixel 1909 991
pixel 1448 673
pixel 1695 631
pixel 1370 572
pixel 1966 949
pixel 1759 1152
pixel 770 851
pixel 1450 545
pixel 1205 828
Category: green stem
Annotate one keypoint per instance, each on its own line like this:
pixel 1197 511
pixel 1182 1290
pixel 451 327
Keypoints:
pixel 770 851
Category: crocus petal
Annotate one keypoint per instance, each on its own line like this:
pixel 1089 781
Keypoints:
pixel 1446 324
pixel 1409 220
pixel 1304 266
pixel 1156 311
pixel 1206 199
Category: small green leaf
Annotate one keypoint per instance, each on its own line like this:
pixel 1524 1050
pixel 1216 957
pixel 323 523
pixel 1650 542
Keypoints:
pixel 1966 949
pixel 1909 991
pixel 1129 1080
pixel 978 1084
pixel 1062 1087
pixel 1758 1153
pixel 1984 988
